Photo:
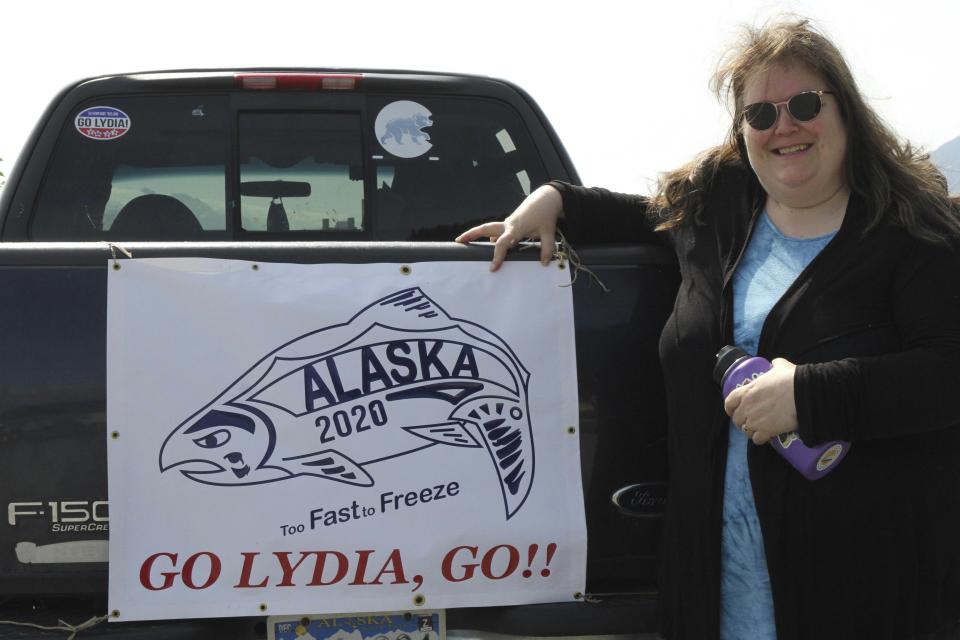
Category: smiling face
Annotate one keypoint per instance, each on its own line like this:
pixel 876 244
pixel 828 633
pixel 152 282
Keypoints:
pixel 799 164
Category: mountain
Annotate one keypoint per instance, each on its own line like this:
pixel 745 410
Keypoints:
pixel 947 158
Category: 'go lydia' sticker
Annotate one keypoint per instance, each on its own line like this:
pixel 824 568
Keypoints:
pixel 102 123
pixel 400 128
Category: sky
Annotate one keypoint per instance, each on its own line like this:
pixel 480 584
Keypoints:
pixel 624 83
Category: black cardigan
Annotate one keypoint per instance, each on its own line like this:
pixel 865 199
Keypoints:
pixel 872 550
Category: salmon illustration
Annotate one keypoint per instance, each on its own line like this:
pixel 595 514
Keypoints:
pixel 400 377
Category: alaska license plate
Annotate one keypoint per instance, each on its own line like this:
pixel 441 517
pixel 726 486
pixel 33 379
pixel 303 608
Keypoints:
pixel 391 625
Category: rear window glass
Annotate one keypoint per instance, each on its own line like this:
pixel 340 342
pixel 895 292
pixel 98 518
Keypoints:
pixel 159 175
pixel 301 172
pixel 469 160
pixel 159 167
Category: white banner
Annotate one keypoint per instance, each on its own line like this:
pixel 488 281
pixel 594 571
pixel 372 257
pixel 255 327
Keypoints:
pixel 305 439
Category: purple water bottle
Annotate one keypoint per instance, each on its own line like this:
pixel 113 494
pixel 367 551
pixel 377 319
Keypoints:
pixel 735 368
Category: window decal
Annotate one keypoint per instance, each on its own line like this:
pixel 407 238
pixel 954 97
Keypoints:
pixel 400 128
pixel 102 123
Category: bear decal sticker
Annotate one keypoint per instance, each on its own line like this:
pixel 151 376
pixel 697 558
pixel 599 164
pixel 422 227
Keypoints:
pixel 400 128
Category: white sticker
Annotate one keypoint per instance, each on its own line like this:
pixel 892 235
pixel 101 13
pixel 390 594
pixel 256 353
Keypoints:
pixel 400 128
pixel 829 457
pixel 102 123
pixel 62 552
pixel 788 439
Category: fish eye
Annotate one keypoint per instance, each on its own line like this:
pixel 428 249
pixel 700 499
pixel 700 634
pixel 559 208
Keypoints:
pixel 216 439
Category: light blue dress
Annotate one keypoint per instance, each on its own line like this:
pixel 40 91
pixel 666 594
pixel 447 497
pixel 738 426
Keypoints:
pixel 770 265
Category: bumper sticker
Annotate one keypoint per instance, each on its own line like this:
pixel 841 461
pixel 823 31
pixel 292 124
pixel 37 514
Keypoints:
pixel 102 123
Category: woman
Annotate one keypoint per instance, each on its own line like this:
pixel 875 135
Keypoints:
pixel 814 238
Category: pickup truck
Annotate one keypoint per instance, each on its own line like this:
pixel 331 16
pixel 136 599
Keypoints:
pixel 296 166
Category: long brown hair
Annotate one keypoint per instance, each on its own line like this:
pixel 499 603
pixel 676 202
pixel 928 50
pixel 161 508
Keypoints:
pixel 897 181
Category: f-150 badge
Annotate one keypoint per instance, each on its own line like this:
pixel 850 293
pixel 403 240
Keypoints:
pixel 399 378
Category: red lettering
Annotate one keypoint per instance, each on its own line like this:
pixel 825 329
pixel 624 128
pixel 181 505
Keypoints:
pixel 284 558
pixel 246 570
pixel 513 560
pixel 362 566
pixel 191 562
pixel 168 576
pixel 394 565
pixel 343 565
pixel 446 568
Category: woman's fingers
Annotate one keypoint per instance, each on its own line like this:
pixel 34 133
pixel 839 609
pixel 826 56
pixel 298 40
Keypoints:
pixel 733 401
pixel 547 247
pixel 500 247
pixel 535 217
pixel 496 232
pixel 503 237
pixel 766 406
pixel 491 230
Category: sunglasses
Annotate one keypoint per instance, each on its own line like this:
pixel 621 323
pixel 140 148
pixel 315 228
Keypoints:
pixel 803 107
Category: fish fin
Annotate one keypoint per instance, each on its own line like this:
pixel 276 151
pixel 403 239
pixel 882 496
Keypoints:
pixel 507 435
pixel 449 433
pixel 406 309
pixel 452 391
pixel 331 465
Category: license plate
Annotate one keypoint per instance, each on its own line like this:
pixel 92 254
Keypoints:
pixel 390 625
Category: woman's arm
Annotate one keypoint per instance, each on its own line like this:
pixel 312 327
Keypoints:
pixel 593 215
pixel 536 217
pixel 586 215
pixel 911 391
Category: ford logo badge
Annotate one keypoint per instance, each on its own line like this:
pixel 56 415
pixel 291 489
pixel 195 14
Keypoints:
pixel 646 499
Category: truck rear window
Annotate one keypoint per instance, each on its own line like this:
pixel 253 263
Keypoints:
pixel 301 172
pixel 164 177
pixel 194 167
pixel 480 165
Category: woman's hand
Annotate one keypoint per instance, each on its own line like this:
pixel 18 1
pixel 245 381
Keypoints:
pixel 536 217
pixel 765 408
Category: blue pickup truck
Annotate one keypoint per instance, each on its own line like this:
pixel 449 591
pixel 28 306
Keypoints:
pixel 220 164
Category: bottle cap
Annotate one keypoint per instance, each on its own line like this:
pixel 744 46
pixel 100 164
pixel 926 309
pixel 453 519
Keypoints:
pixel 726 358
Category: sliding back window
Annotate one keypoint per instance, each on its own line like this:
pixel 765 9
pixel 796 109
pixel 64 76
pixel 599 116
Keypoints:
pixel 301 172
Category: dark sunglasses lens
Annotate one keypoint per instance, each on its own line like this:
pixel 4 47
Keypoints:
pixel 760 115
pixel 804 107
